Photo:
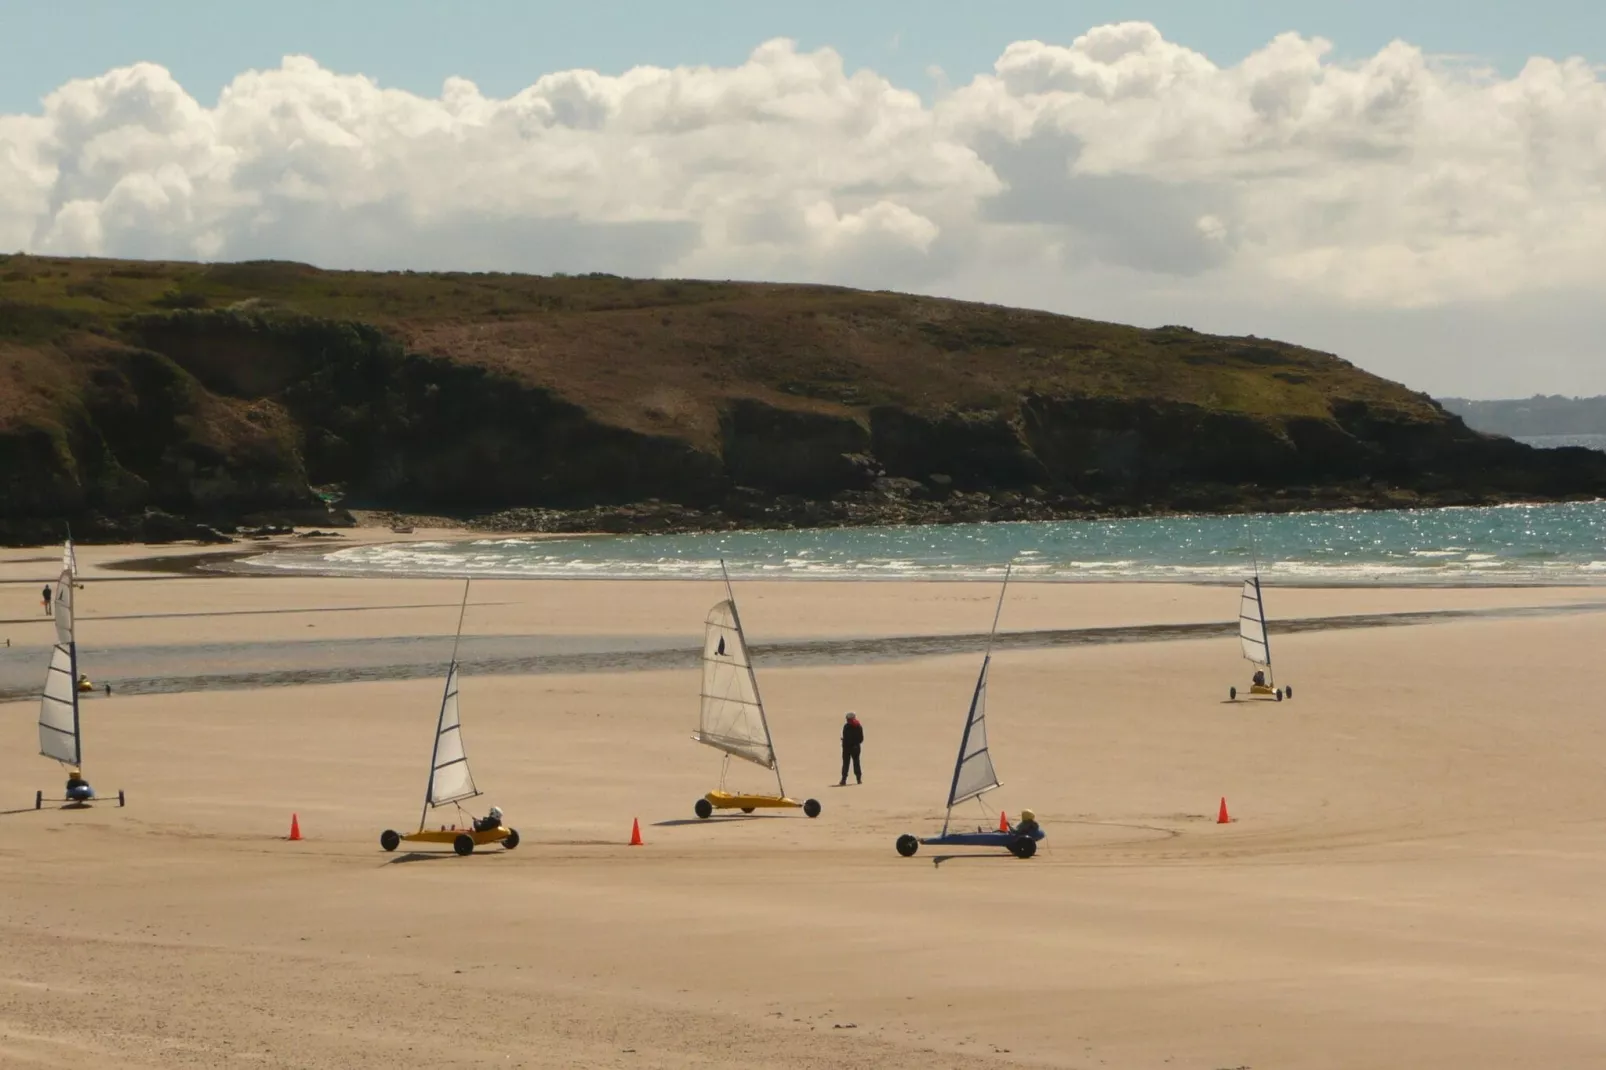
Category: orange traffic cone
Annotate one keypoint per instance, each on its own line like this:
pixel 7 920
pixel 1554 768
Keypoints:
pixel 295 827
pixel 1003 821
pixel 1221 817
pixel 635 832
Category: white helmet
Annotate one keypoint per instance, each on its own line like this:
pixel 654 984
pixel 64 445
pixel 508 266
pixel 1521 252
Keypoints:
pixel 496 813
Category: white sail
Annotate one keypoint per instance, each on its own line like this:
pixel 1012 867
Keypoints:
pixel 449 776
pixel 732 717
pixel 58 705
pixel 1252 624
pixel 974 773
pixel 69 560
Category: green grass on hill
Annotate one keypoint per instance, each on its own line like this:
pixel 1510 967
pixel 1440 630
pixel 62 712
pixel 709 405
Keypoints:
pixel 659 355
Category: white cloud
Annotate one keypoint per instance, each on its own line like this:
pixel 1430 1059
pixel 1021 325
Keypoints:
pixel 1118 175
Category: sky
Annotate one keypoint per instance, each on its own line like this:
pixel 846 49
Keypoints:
pixel 1419 187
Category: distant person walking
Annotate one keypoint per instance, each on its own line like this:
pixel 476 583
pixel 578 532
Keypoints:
pixel 852 740
pixel 47 600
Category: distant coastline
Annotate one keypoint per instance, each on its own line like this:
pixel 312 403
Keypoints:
pixel 1551 442
pixel 1549 417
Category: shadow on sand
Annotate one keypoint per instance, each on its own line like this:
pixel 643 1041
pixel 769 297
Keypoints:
pixel 716 819
pixel 433 856
pixel 937 860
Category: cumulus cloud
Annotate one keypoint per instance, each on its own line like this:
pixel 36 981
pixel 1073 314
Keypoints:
pixel 1119 171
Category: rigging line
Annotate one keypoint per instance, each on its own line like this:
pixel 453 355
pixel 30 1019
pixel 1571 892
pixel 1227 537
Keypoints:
pixel 999 610
pixel 462 611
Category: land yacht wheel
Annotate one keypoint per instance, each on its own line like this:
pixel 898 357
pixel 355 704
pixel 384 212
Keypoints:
pixel 1288 692
pixel 704 808
pixel 908 845
pixel 1232 694
pixel 390 839
pixel 811 807
pixel 464 844
pixel 1023 848
pixel 748 809
pixel 512 839
pixel 38 800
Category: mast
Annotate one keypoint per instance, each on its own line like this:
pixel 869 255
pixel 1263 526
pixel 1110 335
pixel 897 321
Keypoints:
pixel 451 681
pixel 970 719
pixel 752 677
pixel 69 561
pixel 77 727
pixel 1260 598
pixel 61 680
pixel 1265 633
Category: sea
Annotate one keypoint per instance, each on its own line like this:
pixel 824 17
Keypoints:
pixel 1550 442
pixel 1505 545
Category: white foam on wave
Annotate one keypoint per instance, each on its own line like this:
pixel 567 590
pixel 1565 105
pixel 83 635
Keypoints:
pixel 1467 545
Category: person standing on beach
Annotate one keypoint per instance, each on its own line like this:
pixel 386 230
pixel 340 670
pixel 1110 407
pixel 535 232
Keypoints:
pixel 47 600
pixel 852 740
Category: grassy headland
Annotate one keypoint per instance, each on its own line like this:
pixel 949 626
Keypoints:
pixel 221 393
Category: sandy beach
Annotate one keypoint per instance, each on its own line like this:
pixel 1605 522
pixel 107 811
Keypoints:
pixel 1411 878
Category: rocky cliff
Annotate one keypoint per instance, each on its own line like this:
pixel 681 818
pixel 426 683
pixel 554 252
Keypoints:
pixel 140 399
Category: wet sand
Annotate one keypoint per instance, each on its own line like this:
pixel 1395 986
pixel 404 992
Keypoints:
pixel 1411 878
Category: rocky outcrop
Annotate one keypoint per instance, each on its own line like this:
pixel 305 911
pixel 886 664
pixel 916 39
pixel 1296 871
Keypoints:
pixel 140 440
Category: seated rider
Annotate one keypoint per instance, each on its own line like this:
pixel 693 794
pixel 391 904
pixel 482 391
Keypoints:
pixel 492 820
pixel 1028 824
pixel 1259 678
pixel 76 784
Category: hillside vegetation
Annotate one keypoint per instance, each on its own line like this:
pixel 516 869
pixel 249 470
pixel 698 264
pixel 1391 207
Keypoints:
pixel 224 393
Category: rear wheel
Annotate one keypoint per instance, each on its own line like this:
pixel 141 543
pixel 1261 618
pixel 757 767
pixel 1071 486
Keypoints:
pixel 512 840
pixel 704 808
pixel 464 844
pixel 1232 694
pixel 1279 694
pixel 748 809
pixel 811 807
pixel 38 800
pixel 390 839
pixel 1288 692
pixel 908 845
pixel 1023 848
pixel 121 800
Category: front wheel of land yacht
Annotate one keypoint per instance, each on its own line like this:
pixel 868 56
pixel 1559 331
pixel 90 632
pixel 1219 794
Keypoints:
pixel 1023 848
pixel 1232 694
pixel 38 800
pixel 704 808
pixel 390 839
pixel 748 809
pixel 121 799
pixel 908 845
pixel 464 844
pixel 811 807
pixel 512 840
pixel 1279 694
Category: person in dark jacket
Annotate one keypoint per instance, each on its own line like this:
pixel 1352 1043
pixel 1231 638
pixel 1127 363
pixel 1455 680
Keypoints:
pixel 47 600
pixel 490 821
pixel 1028 823
pixel 852 740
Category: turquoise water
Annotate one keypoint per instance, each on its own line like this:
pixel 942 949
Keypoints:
pixel 1509 544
